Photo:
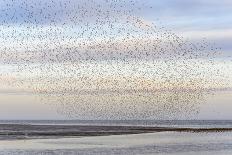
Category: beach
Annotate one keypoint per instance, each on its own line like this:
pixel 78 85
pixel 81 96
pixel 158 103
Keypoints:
pixel 33 131
pixel 170 143
pixel 115 137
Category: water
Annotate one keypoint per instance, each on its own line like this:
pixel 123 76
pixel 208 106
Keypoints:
pixel 154 123
pixel 161 143
pixel 170 143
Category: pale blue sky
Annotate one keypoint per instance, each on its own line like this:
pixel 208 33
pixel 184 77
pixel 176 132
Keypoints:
pixel 211 19
pixel 192 19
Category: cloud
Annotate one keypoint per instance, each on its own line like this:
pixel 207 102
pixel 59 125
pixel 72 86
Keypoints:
pixel 215 34
pixel 190 7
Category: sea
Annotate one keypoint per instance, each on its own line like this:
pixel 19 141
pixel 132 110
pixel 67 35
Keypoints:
pixel 152 123
pixel 161 143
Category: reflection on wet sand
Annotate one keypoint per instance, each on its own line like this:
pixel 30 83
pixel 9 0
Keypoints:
pixel 171 143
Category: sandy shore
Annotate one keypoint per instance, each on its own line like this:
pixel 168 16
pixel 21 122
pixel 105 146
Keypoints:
pixel 158 143
pixel 24 131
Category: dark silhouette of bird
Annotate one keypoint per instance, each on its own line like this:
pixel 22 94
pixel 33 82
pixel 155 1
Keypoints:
pixel 98 59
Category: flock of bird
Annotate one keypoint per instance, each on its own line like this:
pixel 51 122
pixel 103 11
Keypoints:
pixel 101 60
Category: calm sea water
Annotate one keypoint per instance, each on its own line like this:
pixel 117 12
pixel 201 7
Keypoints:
pixel 161 143
pixel 156 123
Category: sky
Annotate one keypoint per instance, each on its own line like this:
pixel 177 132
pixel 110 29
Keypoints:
pixel 40 42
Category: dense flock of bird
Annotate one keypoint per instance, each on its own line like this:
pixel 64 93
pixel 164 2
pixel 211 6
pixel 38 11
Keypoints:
pixel 101 60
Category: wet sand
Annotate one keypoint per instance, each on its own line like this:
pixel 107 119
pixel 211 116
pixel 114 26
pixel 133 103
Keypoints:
pixel 25 131
pixel 159 143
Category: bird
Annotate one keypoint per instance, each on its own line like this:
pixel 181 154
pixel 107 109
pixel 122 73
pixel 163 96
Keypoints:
pixel 99 59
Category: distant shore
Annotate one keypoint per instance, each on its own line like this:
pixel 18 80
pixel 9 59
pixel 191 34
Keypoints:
pixel 25 131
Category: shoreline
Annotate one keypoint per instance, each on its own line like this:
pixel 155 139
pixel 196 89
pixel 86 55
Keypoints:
pixel 26 131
